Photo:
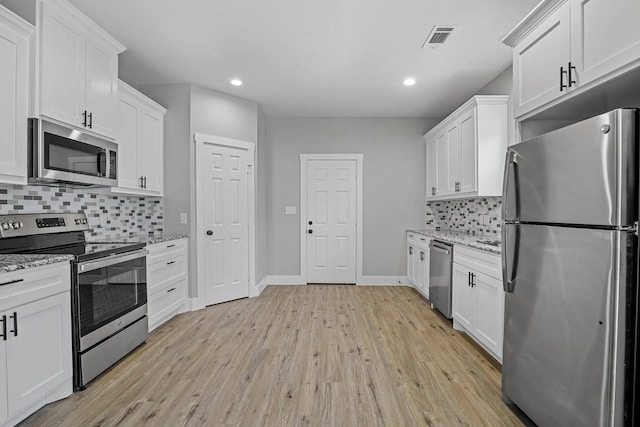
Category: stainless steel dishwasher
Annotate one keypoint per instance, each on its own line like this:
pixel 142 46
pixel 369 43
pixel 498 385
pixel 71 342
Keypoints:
pixel 440 266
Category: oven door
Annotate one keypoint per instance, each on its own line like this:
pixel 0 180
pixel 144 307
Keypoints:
pixel 111 293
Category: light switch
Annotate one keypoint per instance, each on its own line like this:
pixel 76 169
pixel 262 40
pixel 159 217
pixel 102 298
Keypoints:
pixel 289 210
pixel 183 217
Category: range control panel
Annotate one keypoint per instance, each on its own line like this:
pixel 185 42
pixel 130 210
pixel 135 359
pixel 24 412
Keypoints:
pixel 44 223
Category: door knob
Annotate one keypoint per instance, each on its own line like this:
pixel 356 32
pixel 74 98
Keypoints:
pixel 209 233
pixel 310 222
pixel 310 231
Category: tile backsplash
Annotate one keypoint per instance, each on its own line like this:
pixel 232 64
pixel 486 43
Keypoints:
pixel 466 215
pixel 110 216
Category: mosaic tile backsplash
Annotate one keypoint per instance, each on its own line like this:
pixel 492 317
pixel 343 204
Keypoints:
pixel 466 215
pixel 110 216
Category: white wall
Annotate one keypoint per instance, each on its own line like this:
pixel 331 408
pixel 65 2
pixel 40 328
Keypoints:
pixel 394 184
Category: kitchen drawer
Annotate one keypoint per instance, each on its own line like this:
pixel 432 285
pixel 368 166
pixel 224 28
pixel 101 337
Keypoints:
pixel 481 261
pixel 161 274
pixel 33 284
pixel 162 252
pixel 166 302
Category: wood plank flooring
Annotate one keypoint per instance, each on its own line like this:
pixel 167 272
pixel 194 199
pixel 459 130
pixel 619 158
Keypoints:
pixel 295 356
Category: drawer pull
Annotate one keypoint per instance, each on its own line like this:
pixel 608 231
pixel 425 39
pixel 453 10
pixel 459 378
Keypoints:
pixel 15 323
pixel 171 262
pixel 171 246
pixel 12 282
pixel 4 327
pixel 171 290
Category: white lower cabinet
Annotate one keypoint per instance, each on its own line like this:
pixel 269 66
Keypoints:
pixel 35 342
pixel 478 297
pixel 418 262
pixel 166 280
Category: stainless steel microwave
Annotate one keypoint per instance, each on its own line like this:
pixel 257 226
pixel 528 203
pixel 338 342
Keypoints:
pixel 70 158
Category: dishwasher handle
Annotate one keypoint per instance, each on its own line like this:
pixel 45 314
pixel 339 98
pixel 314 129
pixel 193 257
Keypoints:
pixel 440 248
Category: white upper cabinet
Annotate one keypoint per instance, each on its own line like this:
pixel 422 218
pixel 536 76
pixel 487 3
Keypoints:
pixel 15 35
pixel 78 69
pixel 540 63
pixel 140 138
pixel 465 152
pixel 567 46
pixel 605 36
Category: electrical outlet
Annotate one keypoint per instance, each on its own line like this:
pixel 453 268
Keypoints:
pixel 290 210
pixel 183 218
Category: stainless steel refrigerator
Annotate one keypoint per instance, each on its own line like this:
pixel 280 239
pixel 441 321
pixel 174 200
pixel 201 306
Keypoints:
pixel 570 250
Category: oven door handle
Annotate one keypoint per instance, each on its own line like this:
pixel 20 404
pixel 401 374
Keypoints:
pixel 83 267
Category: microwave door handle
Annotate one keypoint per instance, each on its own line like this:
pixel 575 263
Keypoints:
pixel 102 163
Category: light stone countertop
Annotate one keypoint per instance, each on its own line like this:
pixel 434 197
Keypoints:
pixel 10 263
pixel 459 238
pixel 144 238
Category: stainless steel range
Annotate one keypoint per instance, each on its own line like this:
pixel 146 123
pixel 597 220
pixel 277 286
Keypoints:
pixel 109 286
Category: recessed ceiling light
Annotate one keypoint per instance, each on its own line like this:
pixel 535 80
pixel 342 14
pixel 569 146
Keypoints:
pixel 236 82
pixel 409 81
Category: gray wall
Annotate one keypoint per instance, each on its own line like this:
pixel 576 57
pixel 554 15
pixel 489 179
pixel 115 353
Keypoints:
pixel 193 109
pixel 262 201
pixel 394 184
pixel 502 84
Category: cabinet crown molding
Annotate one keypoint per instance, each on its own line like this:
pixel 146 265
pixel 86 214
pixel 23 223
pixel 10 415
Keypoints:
pixel 91 27
pixel 14 21
pixel 141 97
pixel 531 21
pixel 472 102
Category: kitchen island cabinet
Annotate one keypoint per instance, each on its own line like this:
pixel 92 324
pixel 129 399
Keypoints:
pixel 35 347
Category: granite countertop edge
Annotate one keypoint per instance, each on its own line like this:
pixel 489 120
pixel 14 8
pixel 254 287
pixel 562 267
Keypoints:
pixel 459 238
pixel 146 239
pixel 10 262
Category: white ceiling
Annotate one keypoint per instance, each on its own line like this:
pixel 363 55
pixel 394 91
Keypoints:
pixel 323 58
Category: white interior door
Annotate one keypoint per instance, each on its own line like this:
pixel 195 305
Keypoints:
pixel 331 218
pixel 225 223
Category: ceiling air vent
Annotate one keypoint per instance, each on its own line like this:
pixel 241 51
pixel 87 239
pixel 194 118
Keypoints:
pixel 438 35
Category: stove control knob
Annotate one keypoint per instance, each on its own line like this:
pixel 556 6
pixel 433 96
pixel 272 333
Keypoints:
pixel 16 225
pixel 5 225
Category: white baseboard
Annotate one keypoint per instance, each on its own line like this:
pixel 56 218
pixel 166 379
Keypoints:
pixel 283 280
pixel 263 284
pixel 383 281
pixel 194 304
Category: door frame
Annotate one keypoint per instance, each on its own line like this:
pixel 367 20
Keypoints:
pixel 303 208
pixel 201 140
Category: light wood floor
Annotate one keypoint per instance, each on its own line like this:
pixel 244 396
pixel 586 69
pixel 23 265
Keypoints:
pixel 297 355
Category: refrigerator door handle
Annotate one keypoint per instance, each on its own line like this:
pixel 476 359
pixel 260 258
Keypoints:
pixel 509 274
pixel 511 159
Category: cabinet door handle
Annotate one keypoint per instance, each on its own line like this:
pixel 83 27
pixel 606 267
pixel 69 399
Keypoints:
pixel 84 118
pixel 4 327
pixel 433 191
pixel 473 282
pixel 563 73
pixel 170 246
pixel 145 182
pixel 90 120
pixel 171 262
pixel 469 278
pixel 140 183
pixel 171 290
pixel 421 256
pixel 15 323
pixel 571 81
pixel 410 250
